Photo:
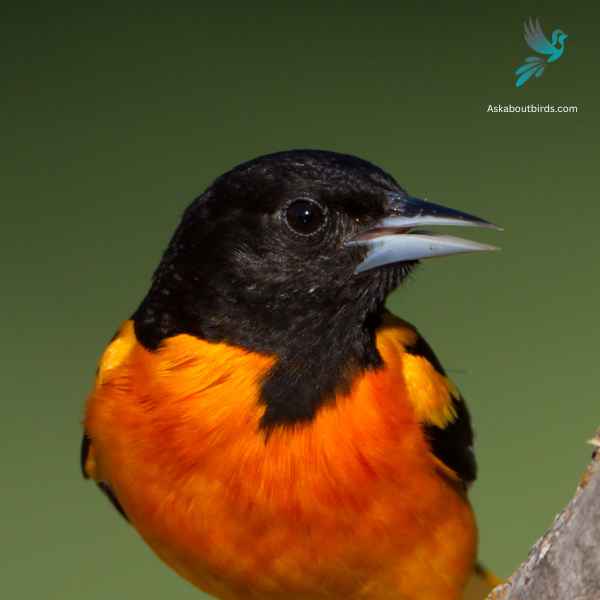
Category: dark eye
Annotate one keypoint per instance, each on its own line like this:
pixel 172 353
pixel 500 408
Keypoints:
pixel 304 216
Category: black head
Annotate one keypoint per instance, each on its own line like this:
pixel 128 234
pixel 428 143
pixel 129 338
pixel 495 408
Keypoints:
pixel 267 259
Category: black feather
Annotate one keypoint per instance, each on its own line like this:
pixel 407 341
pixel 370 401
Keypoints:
pixel 85 449
pixel 113 499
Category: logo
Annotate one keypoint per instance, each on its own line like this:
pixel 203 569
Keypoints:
pixel 537 41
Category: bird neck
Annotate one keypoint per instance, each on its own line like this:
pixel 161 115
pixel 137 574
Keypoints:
pixel 319 343
pixel 558 43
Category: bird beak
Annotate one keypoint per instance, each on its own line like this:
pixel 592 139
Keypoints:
pixel 392 240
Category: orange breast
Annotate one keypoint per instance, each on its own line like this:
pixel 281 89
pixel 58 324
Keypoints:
pixel 350 505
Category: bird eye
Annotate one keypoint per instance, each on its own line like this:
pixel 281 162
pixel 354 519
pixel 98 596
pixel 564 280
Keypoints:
pixel 304 216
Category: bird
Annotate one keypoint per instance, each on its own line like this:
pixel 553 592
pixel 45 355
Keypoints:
pixel 536 40
pixel 262 420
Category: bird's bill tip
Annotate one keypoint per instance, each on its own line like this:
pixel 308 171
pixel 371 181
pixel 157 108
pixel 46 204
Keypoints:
pixel 414 212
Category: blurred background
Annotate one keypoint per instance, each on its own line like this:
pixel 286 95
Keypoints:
pixel 114 119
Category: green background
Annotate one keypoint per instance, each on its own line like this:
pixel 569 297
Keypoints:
pixel 113 119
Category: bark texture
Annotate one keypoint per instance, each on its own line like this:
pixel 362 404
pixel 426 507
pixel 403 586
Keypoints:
pixel 565 563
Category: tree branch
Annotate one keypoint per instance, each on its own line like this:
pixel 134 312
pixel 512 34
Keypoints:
pixel 564 564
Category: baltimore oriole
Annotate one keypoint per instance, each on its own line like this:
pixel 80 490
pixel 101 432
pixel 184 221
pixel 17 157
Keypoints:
pixel 267 426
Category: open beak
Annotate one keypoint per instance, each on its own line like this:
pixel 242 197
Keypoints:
pixel 393 239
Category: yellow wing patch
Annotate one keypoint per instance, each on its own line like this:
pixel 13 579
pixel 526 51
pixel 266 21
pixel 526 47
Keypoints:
pixel 429 391
pixel 117 351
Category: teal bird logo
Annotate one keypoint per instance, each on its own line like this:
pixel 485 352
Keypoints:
pixel 550 51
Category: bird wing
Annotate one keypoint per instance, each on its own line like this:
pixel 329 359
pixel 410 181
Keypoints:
pixel 112 356
pixel 535 38
pixel 88 469
pixel 439 405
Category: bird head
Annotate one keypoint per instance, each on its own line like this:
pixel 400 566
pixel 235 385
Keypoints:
pixel 290 241
pixel 558 37
pixel 293 254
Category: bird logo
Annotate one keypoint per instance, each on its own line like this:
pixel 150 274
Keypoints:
pixel 550 51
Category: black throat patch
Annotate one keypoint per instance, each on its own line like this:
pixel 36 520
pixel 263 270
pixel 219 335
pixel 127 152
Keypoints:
pixel 320 348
